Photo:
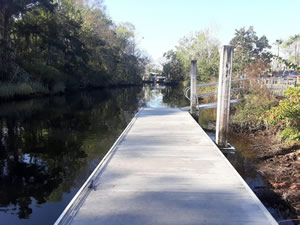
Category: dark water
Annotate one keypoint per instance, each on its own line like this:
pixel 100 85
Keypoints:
pixel 49 146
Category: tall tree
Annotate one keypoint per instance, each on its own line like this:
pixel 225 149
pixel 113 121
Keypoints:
pixel 203 47
pixel 173 67
pixel 10 12
pixel 294 41
pixel 66 43
pixel 248 49
pixel 278 42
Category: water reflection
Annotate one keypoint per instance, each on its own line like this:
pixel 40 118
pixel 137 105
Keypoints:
pixel 49 146
pixel 159 95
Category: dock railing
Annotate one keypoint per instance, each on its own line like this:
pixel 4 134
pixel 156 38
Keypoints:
pixel 276 85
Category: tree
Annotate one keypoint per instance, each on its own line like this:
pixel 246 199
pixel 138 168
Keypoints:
pixel 173 68
pixel 248 49
pixel 126 37
pixel 257 69
pixel 10 12
pixel 203 47
pixel 278 42
pixel 68 44
pixel 294 41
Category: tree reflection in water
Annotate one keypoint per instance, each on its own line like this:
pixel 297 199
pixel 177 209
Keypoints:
pixel 48 147
pixel 157 95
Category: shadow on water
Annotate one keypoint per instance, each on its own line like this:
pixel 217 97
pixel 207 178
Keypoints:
pixel 244 160
pixel 49 146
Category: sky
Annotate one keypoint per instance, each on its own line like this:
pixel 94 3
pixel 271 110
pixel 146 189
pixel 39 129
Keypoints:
pixel 160 24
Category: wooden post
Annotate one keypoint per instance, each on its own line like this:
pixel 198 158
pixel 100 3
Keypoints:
pixel 193 86
pixel 224 87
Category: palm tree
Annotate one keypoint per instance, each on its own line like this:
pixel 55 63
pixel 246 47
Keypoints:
pixel 279 43
pixel 293 40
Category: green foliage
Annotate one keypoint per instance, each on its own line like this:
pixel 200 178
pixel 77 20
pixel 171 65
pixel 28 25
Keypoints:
pixel 248 49
pixel 11 12
pixel 290 134
pixel 203 47
pixel 47 75
pixel 287 63
pixel 66 44
pixel 287 115
pixel 250 111
pixel 173 67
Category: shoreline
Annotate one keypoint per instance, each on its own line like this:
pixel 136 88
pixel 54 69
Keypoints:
pixel 279 164
pixel 67 91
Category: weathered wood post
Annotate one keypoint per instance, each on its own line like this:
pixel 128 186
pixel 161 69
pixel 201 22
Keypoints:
pixel 193 98
pixel 224 87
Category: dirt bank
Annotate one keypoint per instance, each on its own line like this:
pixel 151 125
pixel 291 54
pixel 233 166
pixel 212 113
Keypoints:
pixel 280 165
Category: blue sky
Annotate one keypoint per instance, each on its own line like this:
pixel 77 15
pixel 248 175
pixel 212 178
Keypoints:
pixel 161 23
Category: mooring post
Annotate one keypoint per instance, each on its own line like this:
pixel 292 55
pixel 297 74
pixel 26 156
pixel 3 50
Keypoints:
pixel 193 98
pixel 224 87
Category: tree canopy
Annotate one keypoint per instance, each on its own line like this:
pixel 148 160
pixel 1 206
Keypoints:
pixel 200 46
pixel 173 67
pixel 248 49
pixel 67 44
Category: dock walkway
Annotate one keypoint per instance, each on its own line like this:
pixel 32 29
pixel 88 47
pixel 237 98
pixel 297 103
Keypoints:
pixel 165 170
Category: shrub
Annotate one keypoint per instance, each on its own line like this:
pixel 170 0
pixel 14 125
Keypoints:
pixel 250 111
pixel 287 116
pixel 47 75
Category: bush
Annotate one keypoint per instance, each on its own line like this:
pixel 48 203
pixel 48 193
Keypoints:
pixel 287 116
pixel 290 134
pixel 47 75
pixel 249 115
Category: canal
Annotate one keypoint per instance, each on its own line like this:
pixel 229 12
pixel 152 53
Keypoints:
pixel 49 146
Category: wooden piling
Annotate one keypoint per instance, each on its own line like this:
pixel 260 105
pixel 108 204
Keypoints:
pixel 224 95
pixel 193 99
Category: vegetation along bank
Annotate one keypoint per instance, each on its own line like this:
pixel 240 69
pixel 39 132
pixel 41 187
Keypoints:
pixel 274 127
pixel 49 47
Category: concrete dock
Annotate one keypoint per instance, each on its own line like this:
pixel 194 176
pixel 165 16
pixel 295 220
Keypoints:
pixel 165 170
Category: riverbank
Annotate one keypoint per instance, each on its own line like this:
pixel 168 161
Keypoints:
pixel 22 91
pixel 280 164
